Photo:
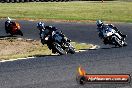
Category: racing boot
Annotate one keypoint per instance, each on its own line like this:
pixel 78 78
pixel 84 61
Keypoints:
pixel 105 41
pixel 7 30
pixel 66 39
pixel 53 51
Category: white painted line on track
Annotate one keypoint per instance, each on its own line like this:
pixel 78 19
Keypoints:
pixel 16 59
pixel 95 47
pixel 80 51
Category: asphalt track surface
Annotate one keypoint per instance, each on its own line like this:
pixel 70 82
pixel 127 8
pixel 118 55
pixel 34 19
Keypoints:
pixel 60 71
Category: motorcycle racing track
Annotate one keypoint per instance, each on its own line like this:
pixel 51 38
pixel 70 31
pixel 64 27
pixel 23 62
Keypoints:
pixel 60 71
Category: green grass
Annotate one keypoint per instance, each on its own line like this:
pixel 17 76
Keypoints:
pixel 108 11
pixel 25 48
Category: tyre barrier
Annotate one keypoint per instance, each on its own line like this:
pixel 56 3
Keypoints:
pixel 22 1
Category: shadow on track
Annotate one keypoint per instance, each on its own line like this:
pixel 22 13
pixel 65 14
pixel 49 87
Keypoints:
pixel 45 55
pixel 7 36
pixel 87 49
pixel 110 47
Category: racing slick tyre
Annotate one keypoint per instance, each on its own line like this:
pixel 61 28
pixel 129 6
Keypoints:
pixel 45 0
pixel 59 49
pixel 7 1
pixel 125 44
pixel 26 0
pixel 22 1
pixel 117 42
pixel 20 32
pixel 17 1
pixel 71 50
pixel 31 0
pixel 12 1
pixel 37 0
pixel 12 34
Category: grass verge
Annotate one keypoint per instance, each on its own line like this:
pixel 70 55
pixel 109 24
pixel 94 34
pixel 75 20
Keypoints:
pixel 20 48
pixel 108 11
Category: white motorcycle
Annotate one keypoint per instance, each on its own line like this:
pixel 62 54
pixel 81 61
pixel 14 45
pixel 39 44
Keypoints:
pixel 113 38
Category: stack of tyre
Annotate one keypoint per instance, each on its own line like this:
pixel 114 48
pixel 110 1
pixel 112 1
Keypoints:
pixel 17 1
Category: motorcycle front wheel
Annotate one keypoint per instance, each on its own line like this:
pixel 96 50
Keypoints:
pixel 117 42
pixel 71 50
pixel 125 44
pixel 59 49
pixel 20 32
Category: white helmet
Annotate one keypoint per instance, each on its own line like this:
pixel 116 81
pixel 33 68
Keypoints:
pixel 8 19
pixel 40 25
pixel 99 23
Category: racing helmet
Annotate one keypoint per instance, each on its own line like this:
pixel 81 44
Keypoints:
pixel 8 19
pixel 40 25
pixel 99 23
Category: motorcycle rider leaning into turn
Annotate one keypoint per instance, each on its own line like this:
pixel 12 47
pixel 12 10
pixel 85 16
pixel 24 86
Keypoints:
pixel 48 31
pixel 101 26
pixel 7 24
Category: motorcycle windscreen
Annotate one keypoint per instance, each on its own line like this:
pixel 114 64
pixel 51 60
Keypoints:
pixel 108 31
